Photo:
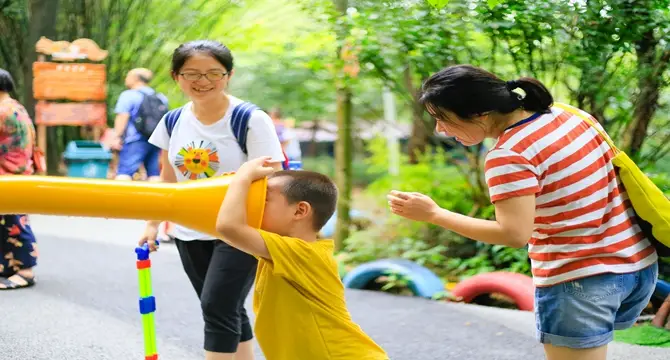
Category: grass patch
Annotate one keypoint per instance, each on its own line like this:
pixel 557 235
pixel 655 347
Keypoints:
pixel 644 334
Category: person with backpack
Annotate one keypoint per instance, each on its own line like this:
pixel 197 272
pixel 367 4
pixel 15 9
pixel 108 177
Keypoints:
pixel 138 111
pixel 212 134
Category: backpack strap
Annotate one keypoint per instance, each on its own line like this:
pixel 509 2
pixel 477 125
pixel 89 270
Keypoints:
pixel 239 123
pixel 171 119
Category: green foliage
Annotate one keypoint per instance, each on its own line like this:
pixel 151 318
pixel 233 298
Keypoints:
pixel 301 85
pixel 662 180
pixel 361 176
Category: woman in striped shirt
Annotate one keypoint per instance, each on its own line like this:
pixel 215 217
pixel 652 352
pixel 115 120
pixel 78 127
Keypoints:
pixel 554 188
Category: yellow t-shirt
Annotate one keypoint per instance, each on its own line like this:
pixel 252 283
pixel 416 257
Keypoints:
pixel 301 313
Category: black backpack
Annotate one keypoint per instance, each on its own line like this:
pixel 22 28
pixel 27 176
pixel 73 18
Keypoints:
pixel 152 109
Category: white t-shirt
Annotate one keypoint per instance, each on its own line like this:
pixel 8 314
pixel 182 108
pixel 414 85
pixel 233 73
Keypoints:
pixel 216 142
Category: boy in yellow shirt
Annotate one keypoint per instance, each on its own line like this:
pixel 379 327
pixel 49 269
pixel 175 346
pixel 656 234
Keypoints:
pixel 299 301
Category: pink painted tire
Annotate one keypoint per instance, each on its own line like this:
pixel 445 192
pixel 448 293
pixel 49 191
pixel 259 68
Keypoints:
pixel 517 287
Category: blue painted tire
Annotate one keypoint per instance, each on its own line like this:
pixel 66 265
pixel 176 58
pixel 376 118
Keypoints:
pixel 662 290
pixel 422 282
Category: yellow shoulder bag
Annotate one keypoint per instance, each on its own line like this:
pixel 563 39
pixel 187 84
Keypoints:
pixel 649 202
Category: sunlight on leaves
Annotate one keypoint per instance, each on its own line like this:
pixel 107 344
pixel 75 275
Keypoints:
pixel 439 4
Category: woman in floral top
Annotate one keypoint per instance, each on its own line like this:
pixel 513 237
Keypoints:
pixel 18 250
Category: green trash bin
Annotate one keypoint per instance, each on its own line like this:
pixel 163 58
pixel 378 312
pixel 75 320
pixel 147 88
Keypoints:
pixel 87 159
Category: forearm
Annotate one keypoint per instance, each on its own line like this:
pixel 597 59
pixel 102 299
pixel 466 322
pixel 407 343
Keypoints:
pixel 120 124
pixel 233 211
pixel 487 231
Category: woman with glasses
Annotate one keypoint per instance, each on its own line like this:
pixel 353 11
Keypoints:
pixel 199 144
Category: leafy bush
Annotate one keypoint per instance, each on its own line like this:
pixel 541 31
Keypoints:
pixel 326 165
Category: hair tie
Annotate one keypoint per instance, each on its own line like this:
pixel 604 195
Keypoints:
pixel 512 85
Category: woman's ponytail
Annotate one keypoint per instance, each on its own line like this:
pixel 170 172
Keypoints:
pixel 537 98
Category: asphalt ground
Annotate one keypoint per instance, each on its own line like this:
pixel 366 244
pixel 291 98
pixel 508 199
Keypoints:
pixel 84 306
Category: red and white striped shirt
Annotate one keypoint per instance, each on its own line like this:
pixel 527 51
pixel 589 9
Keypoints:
pixel 584 223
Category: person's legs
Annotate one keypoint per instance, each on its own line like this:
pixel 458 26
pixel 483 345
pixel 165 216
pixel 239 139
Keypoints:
pixel 229 279
pixel 130 159
pixel 152 162
pixel 195 257
pixel 245 350
pixel 576 319
pixel 19 252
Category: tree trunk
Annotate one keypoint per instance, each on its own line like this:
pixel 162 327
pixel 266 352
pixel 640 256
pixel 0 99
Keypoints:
pixel 343 145
pixel 343 158
pixel 42 22
pixel 650 69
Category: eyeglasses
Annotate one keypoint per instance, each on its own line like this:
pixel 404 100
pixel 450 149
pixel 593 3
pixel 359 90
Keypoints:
pixel 211 76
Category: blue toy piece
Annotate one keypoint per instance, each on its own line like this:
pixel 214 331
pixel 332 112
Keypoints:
pixel 662 290
pixel 147 305
pixel 143 252
pixel 422 282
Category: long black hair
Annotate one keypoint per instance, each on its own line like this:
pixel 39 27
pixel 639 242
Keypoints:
pixel 6 82
pixel 468 91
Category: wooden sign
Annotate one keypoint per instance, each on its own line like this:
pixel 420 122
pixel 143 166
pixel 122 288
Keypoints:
pixel 68 51
pixel 76 82
pixel 73 114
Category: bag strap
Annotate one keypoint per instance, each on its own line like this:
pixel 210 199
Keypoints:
pixel 239 123
pixel 171 119
pixel 577 112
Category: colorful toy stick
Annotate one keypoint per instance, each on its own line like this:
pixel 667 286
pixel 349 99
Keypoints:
pixel 147 302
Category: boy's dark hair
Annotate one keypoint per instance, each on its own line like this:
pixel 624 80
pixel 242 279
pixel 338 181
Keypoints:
pixel 212 48
pixel 468 91
pixel 6 81
pixel 314 188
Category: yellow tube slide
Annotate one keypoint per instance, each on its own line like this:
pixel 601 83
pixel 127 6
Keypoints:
pixel 194 204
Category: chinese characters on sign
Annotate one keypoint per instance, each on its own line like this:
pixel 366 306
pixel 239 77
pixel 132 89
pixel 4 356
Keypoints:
pixel 72 114
pixel 75 82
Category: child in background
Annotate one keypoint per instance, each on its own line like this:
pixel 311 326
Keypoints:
pixel 299 301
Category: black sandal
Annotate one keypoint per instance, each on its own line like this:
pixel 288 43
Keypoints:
pixel 10 285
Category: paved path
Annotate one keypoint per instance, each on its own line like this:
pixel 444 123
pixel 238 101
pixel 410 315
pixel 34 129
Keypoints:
pixel 85 307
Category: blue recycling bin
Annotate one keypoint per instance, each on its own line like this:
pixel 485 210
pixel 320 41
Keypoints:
pixel 87 159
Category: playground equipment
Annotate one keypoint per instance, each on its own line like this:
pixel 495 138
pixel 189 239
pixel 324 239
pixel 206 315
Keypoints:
pixel 147 302
pixel 194 204
pixel 662 290
pixel 424 283
pixel 421 281
pixel 518 287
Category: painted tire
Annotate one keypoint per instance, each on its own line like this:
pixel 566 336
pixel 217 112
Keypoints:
pixel 662 290
pixel 422 282
pixel 517 287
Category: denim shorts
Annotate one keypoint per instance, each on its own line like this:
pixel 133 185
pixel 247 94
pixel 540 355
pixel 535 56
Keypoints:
pixel 136 153
pixel 584 313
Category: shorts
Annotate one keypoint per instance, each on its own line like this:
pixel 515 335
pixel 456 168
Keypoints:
pixel 222 277
pixel 135 153
pixel 584 313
